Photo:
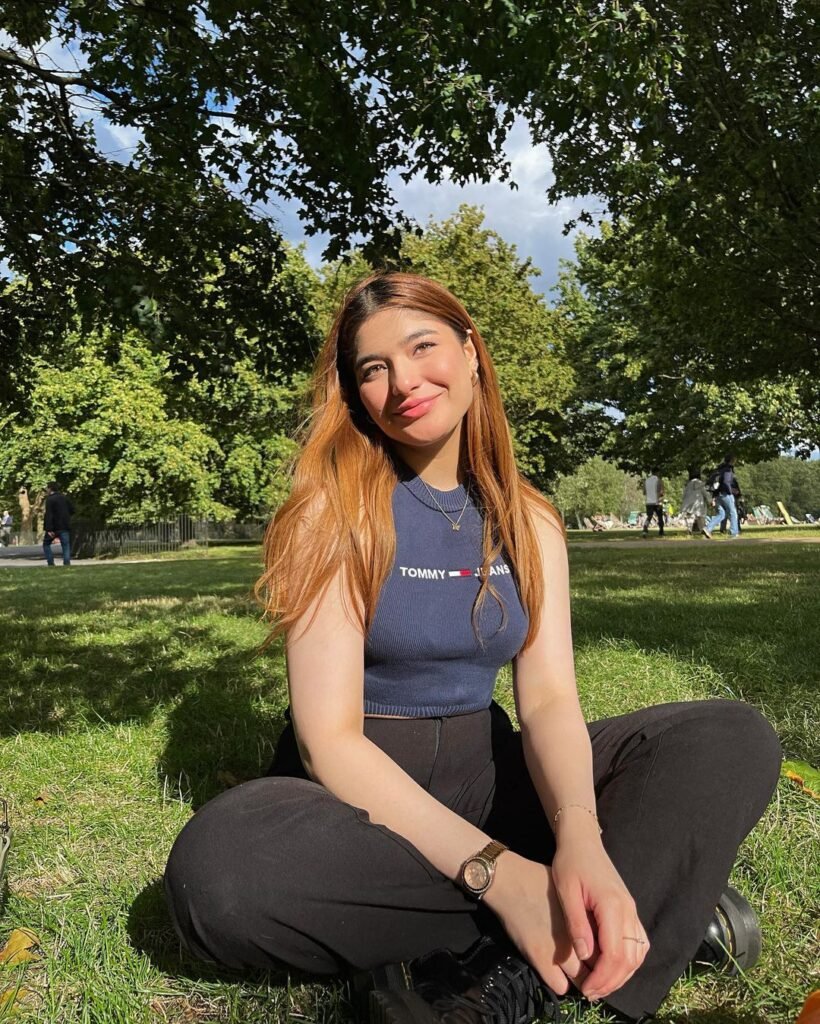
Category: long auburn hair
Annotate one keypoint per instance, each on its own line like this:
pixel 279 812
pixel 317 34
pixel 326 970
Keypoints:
pixel 339 510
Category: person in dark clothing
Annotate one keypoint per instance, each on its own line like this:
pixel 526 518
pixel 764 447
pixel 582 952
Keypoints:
pixel 725 498
pixel 741 510
pixel 57 523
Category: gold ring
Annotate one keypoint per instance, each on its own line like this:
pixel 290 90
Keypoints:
pixel 631 938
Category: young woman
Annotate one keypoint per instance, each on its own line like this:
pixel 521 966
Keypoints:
pixel 404 820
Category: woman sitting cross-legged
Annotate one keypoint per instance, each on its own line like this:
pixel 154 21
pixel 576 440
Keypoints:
pixel 407 835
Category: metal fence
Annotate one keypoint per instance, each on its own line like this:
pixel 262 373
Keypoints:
pixel 89 541
pixel 250 531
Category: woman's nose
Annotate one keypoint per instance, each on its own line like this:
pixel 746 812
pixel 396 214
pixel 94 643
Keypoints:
pixel 403 378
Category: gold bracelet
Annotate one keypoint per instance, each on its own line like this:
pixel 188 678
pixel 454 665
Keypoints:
pixel 583 808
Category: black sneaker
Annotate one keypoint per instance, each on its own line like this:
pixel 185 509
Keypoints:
pixel 733 940
pixel 489 984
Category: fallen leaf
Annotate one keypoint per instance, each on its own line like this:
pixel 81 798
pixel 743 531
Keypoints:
pixel 21 945
pixel 17 998
pixel 42 797
pixel 810 1014
pixel 806 777
pixel 227 779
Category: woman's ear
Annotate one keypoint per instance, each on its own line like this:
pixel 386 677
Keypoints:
pixel 470 351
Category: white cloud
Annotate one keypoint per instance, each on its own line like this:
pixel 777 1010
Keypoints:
pixel 522 217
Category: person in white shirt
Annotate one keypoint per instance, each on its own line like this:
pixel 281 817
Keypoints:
pixel 653 489
pixel 696 503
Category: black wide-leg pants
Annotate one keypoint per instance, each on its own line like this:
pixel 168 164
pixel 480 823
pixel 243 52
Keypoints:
pixel 279 871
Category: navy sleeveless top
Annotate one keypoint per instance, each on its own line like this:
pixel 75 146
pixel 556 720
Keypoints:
pixel 422 656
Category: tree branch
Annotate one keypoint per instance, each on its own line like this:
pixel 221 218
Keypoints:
pixel 63 79
pixel 56 78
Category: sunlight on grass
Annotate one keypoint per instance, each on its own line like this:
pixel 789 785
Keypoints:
pixel 131 693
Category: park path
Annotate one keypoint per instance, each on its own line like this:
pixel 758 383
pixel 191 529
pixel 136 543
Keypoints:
pixel 640 543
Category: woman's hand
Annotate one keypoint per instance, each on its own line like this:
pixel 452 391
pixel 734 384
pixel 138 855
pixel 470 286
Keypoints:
pixel 524 898
pixel 600 914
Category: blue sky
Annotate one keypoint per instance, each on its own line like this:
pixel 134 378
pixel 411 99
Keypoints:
pixel 523 217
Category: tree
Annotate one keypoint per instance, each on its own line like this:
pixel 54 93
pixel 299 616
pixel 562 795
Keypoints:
pixel 596 487
pixel 697 122
pixel 522 333
pixel 105 431
pixel 792 481
pixel 694 120
pixel 225 414
pixel 669 400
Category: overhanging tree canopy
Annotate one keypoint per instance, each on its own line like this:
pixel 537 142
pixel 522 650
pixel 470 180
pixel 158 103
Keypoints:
pixel 700 116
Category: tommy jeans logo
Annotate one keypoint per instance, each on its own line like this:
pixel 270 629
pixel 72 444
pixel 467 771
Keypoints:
pixel 415 572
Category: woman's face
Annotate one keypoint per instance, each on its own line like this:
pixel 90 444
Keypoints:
pixel 414 374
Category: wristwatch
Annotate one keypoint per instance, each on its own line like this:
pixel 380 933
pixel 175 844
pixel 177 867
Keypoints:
pixel 477 872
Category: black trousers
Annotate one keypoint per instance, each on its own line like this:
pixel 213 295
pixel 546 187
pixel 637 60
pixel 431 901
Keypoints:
pixel 278 870
pixel 653 510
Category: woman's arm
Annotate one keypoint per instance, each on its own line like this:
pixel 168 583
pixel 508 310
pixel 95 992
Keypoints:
pixel 597 907
pixel 325 660
pixel 555 738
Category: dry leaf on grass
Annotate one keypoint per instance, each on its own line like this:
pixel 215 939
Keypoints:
pixel 18 998
pixel 42 798
pixel 20 946
pixel 806 777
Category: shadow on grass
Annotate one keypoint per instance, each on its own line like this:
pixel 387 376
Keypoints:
pixel 174 643
pixel 152 934
pixel 178 640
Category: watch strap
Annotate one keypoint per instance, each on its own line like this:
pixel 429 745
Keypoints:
pixel 492 850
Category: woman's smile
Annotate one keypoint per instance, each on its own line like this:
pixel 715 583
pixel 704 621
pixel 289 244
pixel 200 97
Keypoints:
pixel 418 410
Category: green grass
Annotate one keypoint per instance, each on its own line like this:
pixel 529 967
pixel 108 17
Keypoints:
pixel 679 533
pixel 130 693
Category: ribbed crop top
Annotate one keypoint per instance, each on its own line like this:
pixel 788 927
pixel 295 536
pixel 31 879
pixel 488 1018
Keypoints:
pixel 422 657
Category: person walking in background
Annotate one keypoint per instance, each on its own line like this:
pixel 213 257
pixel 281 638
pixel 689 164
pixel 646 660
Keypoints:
pixel 741 510
pixel 653 489
pixel 696 502
pixel 5 528
pixel 725 497
pixel 57 523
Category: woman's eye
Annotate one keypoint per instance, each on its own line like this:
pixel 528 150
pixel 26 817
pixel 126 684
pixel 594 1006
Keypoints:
pixel 368 372
pixel 425 344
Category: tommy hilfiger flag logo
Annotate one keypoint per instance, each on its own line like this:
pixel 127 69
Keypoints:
pixel 461 572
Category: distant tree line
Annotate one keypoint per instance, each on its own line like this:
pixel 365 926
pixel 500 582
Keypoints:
pixel 141 426
pixel 598 487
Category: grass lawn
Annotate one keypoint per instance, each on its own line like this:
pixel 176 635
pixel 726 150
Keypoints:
pixel 130 693
pixel 680 533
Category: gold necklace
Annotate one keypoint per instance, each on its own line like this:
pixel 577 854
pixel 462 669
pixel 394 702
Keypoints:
pixel 455 525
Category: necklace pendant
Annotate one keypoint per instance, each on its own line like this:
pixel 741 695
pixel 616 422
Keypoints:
pixel 456 526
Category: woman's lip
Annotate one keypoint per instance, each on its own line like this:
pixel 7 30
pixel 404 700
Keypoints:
pixel 420 409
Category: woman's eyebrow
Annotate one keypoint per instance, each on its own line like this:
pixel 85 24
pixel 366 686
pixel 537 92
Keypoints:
pixel 412 336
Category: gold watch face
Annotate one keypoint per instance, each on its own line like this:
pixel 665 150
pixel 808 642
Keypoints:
pixel 476 874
